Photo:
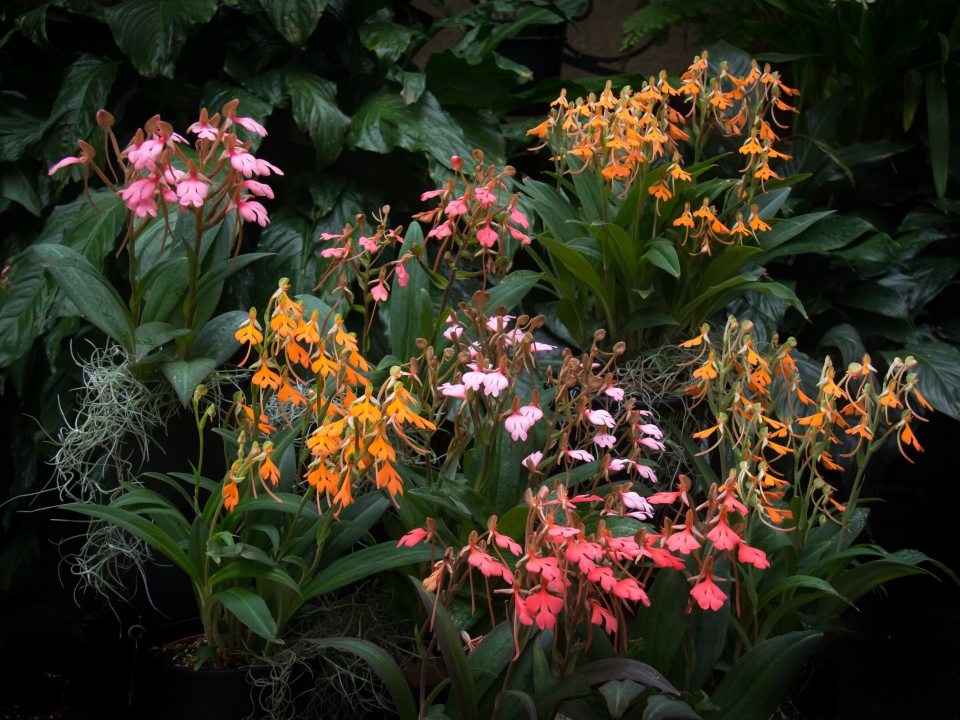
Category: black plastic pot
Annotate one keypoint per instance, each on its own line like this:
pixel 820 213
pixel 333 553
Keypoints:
pixel 163 691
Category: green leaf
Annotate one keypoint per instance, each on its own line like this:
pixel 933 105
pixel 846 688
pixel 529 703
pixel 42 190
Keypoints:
pixel 152 335
pixel 755 685
pixel 152 32
pixel 88 289
pixel 314 106
pixel 91 229
pixel 512 289
pixel 251 610
pixel 938 374
pixel 147 531
pixel 185 375
pixel 829 234
pixel 294 19
pixel 245 568
pixel 362 564
pixel 83 91
pixel 216 339
pixel 451 649
pixel 663 255
pixel 387 40
pixel 794 582
pixel 382 664
pixel 661 707
pixel 618 695
pixel 658 623
pixel 18 188
pixel 26 310
pixel 385 121
pixel 785 230
pixel 938 129
pixel 404 303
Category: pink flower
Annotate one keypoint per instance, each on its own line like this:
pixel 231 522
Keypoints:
pixel 642 510
pixel 730 502
pixel 604 440
pixel 64 163
pixel 265 168
pixel 708 595
pixel 498 323
pixel 144 156
pixel 380 292
pixel 474 379
pixel 487 236
pixel 454 391
pixel 192 190
pixel 722 536
pixel 618 464
pixel 203 129
pixel 532 412
pixel 517 235
pixel 601 616
pixel 417 535
pixel 368 243
pixel 664 498
pixel 629 589
pixel 683 542
pixel 752 556
pixel 431 194
pixel 651 430
pixel 532 460
pixel 241 161
pixel 456 207
pixel 487 566
pixel 251 125
pixel 646 472
pixel 139 196
pixel 543 607
pixel 484 196
pixel 258 188
pixel 519 218
pixel 600 417
pixel 494 382
pixel 584 553
pixel 441 231
pixel 604 576
pixel 252 211
pixel 333 252
pixel 614 392
pixel 507 543
pixel 560 532
pixel 581 455
pixel 403 277
pixel 453 333
pixel 651 444
pixel 546 567
pixel 517 425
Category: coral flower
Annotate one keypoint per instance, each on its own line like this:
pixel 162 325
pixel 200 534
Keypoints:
pixel 708 595
pixel 752 556
pixel 253 211
pixel 487 236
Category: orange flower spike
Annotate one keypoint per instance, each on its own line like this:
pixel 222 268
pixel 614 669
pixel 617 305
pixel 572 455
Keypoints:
pixel 739 228
pixel 249 332
pixel 364 410
pixel 660 191
pixel 231 496
pixel 265 377
pixel 756 223
pixel 707 371
pixel 908 438
pixel 308 331
pixel 268 470
pixel 685 219
pixel 705 212
pixel 388 477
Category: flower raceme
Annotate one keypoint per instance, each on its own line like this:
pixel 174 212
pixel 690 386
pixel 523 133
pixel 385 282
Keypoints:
pixel 314 379
pixel 160 171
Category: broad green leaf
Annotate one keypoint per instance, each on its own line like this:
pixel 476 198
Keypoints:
pixel 618 694
pixel 147 531
pixel 785 230
pixel 491 657
pixel 245 568
pixel 828 235
pixel 314 106
pixel 152 32
pixel 216 339
pixel 404 303
pixel 26 310
pixel 512 289
pixel 91 228
pixel 663 255
pixel 662 707
pixel 150 336
pixel 18 188
pixel 294 19
pixel 386 39
pixel 796 582
pixel 95 298
pixel 20 127
pixel 658 624
pixel 83 91
pixel 185 375
pixel 755 685
pixel 362 564
pixel 938 129
pixel 382 664
pixel 251 610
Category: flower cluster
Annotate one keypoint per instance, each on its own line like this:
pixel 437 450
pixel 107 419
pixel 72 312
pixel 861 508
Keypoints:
pixel 158 169
pixel 777 433
pixel 316 377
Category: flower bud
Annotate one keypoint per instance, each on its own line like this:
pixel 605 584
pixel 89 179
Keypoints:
pixel 457 162
pixel 104 119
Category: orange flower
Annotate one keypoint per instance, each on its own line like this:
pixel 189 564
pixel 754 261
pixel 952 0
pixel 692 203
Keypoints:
pixel 231 495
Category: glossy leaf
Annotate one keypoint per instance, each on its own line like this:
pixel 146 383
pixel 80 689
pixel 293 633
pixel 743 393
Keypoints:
pixel 315 110
pixel 939 374
pixel 250 609
pixel 294 19
pixel 95 298
pixel 618 694
pixel 185 375
pixel 83 91
pixel 938 129
pixel 404 303
pixel 362 564
pixel 216 339
pixel 662 707
pixel 152 32
pixel 512 289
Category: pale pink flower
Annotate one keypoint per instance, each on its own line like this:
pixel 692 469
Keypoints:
pixel 532 411
pixel 708 595
pixel 646 472
pixel 516 216
pixel 532 460
pixel 651 444
pixel 144 156
pixel 403 277
pixel 368 243
pixel 494 382
pixel 139 196
pixel 604 440
pixel 253 211
pixel 453 332
pixel 484 196
pixel 517 425
pixel 581 455
pixel 618 464
pixel 258 188
pixel 541 347
pixel 380 292
pixel 614 392
pixel 641 509
pixel 600 418
pixel 517 235
pixel 474 379
pixel 333 252
pixel 241 161
pixel 431 194
pixel 191 190
pixel 203 130
pixel 265 168
pixel 454 390
pixel 651 430
pixel 251 125
pixel 498 323
pixel 64 163
pixel 487 236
